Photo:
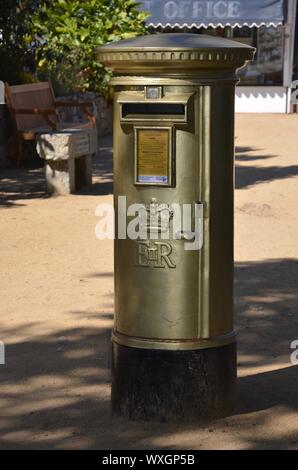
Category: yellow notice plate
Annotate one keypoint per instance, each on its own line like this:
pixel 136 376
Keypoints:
pixel 153 156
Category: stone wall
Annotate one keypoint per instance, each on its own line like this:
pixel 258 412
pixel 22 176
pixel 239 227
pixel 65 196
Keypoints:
pixel 102 109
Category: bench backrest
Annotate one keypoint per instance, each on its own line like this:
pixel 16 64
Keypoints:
pixel 32 95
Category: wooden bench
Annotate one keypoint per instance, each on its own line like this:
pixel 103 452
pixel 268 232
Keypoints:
pixel 34 110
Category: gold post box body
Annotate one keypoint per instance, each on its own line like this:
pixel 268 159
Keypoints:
pixel 174 144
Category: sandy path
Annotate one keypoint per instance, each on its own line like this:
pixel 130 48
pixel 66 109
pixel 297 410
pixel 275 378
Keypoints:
pixel 56 308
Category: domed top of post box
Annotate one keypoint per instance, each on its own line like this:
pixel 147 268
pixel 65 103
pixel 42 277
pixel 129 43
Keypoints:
pixel 169 52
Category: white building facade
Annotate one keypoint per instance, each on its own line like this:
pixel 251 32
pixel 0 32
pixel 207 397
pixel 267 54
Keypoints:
pixel 267 25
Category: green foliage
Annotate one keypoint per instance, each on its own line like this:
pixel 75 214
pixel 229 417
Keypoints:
pixel 67 32
pixel 16 57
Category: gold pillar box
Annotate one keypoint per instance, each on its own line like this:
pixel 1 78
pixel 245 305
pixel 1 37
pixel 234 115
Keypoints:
pixel 174 144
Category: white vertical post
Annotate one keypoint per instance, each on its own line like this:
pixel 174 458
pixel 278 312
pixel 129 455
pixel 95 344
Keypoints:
pixel 289 38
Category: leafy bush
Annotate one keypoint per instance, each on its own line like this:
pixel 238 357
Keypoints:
pixel 67 32
pixel 16 55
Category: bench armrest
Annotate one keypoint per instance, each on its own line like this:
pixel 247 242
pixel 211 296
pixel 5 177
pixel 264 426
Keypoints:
pixel 45 112
pixel 35 111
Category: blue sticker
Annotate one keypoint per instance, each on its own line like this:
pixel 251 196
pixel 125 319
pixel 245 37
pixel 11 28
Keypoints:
pixel 152 179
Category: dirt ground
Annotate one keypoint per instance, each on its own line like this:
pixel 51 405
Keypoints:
pixel 56 308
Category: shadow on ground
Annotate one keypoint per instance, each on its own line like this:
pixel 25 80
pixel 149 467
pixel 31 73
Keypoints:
pixel 103 168
pixel 23 183
pixel 266 305
pixel 250 175
pixel 266 300
pixel 28 181
pixel 73 410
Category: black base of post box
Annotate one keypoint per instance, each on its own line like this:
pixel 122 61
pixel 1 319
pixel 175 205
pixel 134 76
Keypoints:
pixel 163 385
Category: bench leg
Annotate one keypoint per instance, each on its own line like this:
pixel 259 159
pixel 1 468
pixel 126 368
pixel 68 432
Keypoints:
pixel 59 176
pixel 68 176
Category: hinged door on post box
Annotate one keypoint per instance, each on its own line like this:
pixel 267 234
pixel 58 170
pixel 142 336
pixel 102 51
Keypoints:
pixel 160 144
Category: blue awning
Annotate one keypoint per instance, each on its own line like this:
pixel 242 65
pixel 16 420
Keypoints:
pixel 204 13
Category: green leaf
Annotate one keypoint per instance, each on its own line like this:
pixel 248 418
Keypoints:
pixel 67 32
